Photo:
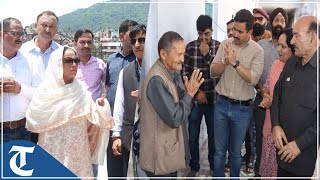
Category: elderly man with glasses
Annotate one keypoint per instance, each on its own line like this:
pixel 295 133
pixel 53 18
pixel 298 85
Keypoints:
pixel 18 79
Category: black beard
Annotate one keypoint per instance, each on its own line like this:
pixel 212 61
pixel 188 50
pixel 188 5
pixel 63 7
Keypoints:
pixel 258 30
pixel 276 31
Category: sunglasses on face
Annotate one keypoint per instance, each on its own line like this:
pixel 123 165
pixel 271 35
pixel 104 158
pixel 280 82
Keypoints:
pixel 140 40
pixel 15 34
pixel 69 61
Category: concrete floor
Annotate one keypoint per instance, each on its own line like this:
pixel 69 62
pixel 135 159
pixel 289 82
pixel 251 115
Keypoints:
pixel 204 172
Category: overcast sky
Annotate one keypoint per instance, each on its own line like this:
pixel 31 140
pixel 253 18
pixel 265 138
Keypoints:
pixel 27 10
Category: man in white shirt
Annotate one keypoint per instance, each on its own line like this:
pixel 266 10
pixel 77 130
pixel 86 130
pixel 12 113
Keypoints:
pixel 40 48
pixel 42 45
pixel 19 78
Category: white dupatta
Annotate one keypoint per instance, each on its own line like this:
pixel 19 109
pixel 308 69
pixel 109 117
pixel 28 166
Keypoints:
pixel 55 103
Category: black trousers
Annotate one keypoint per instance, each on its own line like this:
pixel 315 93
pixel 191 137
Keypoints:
pixel 117 165
pixel 249 145
pixel 258 117
pixel 285 173
pixel 34 137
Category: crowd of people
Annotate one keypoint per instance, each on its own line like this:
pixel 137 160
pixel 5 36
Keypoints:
pixel 258 87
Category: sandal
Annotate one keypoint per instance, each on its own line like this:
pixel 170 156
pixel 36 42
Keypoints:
pixel 249 167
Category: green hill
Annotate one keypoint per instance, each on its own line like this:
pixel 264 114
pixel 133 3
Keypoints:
pixel 101 15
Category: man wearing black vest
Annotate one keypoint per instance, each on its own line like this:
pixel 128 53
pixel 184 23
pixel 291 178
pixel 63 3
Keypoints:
pixel 125 102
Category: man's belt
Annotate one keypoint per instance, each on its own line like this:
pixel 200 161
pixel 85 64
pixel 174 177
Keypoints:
pixel 14 124
pixel 234 101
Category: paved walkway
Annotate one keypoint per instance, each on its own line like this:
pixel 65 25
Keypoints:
pixel 204 172
pixel 204 165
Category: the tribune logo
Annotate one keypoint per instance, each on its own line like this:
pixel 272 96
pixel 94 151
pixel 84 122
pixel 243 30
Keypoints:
pixel 22 151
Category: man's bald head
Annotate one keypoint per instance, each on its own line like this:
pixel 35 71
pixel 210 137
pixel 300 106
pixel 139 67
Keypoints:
pixel 305 39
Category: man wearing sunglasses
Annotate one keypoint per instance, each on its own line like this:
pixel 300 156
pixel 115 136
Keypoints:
pixel 91 70
pixel 199 55
pixel 115 63
pixel 261 19
pixel 125 101
pixel 18 79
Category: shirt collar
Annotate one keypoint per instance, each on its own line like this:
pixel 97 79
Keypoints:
pixel 18 55
pixel 138 62
pixel 53 46
pixel 313 60
pixel 92 59
pixel 120 52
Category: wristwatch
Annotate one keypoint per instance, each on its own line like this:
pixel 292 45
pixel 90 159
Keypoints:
pixel 237 64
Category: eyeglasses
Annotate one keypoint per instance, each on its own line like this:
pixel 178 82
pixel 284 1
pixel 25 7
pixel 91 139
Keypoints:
pixel 69 61
pixel 45 26
pixel 16 34
pixel 140 40
pixel 258 18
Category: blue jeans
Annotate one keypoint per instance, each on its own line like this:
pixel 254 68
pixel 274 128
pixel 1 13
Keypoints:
pixel 195 119
pixel 20 133
pixel 231 122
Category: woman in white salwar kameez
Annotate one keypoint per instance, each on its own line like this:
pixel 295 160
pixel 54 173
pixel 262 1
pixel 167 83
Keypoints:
pixel 71 127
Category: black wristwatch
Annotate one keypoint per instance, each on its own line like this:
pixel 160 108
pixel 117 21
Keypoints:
pixel 237 64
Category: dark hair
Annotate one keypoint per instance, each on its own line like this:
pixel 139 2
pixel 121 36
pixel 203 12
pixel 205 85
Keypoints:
pixel 231 21
pixel 313 28
pixel 167 39
pixel 289 35
pixel 7 22
pixel 276 11
pixel 204 22
pixel 50 13
pixel 80 32
pixel 124 26
pixel 136 29
pixel 244 16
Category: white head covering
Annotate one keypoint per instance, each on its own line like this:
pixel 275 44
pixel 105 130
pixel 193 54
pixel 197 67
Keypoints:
pixel 54 103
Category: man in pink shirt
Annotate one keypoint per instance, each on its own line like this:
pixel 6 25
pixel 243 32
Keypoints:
pixel 91 70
